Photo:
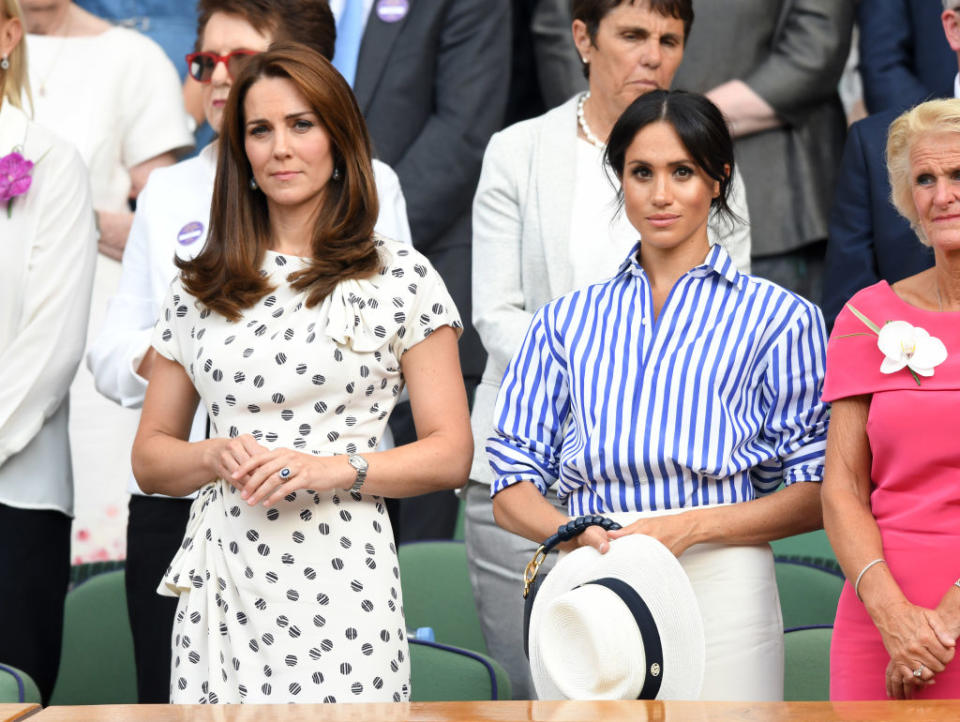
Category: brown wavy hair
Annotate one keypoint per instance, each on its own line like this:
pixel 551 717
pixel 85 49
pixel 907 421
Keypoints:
pixel 225 276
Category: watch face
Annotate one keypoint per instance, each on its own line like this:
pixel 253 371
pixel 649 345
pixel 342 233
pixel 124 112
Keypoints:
pixel 358 462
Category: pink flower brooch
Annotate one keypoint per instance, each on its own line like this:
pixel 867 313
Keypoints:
pixel 15 178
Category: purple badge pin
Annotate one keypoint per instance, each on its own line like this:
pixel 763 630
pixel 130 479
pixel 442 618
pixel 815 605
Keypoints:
pixel 392 11
pixel 190 233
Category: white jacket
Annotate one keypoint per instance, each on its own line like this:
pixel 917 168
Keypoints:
pixel 49 247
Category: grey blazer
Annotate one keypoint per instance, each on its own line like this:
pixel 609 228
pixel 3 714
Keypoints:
pixel 521 236
pixel 433 88
pixel 791 53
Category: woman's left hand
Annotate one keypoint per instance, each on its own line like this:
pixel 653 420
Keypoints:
pixel 675 531
pixel 318 473
pixel 901 682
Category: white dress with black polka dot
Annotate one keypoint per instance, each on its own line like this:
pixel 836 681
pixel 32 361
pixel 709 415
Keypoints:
pixel 300 602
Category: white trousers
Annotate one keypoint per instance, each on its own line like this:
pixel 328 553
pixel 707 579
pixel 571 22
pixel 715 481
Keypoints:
pixel 736 588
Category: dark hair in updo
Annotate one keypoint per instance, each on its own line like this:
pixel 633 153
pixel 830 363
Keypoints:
pixel 701 128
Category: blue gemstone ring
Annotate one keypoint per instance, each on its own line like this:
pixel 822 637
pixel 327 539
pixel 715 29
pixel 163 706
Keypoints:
pixel 285 473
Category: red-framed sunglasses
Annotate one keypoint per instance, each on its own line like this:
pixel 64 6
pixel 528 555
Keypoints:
pixel 201 65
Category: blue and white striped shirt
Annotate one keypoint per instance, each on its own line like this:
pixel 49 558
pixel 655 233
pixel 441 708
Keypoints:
pixel 715 402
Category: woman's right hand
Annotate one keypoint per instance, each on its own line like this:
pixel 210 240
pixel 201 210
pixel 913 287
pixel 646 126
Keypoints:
pixel 225 455
pixel 593 536
pixel 915 635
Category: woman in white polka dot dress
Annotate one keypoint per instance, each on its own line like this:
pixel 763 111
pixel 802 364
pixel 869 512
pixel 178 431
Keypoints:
pixel 297 329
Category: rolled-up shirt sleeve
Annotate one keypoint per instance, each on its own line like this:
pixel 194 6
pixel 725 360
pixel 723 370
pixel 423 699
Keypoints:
pixel 795 425
pixel 531 411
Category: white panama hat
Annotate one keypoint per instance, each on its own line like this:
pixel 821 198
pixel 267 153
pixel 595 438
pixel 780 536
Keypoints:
pixel 620 625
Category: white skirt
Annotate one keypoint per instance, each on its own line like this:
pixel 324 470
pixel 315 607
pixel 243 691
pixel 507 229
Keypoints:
pixel 736 588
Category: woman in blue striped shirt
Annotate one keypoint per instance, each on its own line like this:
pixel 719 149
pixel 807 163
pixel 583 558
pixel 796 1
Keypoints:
pixel 675 397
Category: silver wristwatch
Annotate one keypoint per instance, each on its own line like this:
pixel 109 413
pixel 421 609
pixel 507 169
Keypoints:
pixel 360 464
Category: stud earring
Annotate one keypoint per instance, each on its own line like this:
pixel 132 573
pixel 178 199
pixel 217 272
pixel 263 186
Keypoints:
pixel 253 184
pixel 4 63
pixel 336 174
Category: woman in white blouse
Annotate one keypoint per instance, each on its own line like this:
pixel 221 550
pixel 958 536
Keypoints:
pixel 115 95
pixel 49 245
pixel 544 223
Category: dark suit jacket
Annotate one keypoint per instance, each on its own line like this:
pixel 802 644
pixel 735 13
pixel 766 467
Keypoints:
pixel 904 56
pixel 433 88
pixel 791 53
pixel 869 240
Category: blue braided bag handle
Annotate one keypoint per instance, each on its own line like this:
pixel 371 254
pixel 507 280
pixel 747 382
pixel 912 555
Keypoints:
pixel 531 583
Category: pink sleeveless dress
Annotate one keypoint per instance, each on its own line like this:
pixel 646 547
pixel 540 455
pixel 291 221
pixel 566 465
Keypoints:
pixel 914 434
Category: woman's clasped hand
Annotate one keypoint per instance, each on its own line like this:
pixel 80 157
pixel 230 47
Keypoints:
pixel 918 641
pixel 257 472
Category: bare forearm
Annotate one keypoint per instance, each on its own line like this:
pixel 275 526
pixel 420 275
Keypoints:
pixel 792 510
pixel 855 538
pixel 851 529
pixel 434 463
pixel 439 461
pixel 114 229
pixel 949 609
pixel 163 464
pixel 523 510
pixel 745 111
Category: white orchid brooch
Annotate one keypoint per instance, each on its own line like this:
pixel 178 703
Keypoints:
pixel 904 346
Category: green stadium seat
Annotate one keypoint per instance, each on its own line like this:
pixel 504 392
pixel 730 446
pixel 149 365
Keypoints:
pixel 812 548
pixel 807 664
pixel 808 594
pixel 437 593
pixel 97 663
pixel 16 686
pixel 442 673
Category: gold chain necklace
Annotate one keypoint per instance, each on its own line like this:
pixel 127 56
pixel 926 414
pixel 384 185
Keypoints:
pixel 42 90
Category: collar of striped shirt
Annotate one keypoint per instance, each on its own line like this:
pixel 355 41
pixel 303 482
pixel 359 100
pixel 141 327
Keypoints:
pixel 716 399
pixel 717 261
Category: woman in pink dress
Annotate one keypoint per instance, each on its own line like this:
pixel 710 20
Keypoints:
pixel 891 494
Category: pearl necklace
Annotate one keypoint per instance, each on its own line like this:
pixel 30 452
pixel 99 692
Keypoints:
pixel 582 120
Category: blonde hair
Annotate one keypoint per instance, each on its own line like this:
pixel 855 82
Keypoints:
pixel 934 116
pixel 14 85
